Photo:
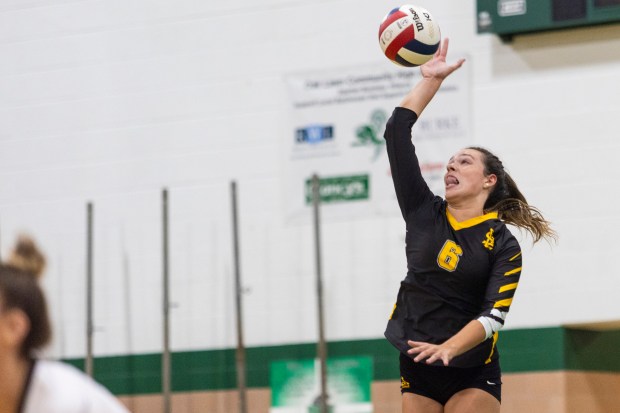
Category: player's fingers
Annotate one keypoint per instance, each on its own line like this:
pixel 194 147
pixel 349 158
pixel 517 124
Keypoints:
pixel 416 344
pixel 433 358
pixel 444 48
pixel 458 63
pixel 416 350
pixel 420 357
pixel 453 67
pixel 428 352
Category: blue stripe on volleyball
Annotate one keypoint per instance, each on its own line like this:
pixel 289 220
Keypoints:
pixel 417 46
pixel 403 62
pixel 393 11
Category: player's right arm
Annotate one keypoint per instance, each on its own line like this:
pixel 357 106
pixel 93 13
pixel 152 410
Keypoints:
pixel 411 189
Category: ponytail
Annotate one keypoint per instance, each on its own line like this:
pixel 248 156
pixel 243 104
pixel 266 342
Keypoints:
pixel 509 202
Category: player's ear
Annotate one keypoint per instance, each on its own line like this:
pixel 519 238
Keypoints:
pixel 489 181
pixel 14 327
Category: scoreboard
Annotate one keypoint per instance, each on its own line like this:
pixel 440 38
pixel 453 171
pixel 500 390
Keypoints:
pixel 507 18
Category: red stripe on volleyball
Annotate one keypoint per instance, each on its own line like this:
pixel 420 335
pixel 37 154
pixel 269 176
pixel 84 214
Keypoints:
pixel 391 19
pixel 399 41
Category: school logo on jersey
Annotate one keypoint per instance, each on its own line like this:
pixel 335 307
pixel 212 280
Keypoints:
pixel 404 384
pixel 489 242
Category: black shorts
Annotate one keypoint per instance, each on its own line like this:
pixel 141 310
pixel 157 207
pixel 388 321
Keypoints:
pixel 440 383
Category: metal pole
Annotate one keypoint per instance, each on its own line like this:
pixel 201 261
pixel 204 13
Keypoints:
pixel 321 347
pixel 165 358
pixel 88 364
pixel 240 355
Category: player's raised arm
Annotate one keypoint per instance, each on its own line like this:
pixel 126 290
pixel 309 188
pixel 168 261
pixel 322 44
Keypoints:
pixel 433 74
pixel 411 189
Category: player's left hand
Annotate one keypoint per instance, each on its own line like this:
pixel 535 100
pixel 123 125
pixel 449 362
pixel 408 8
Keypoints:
pixel 437 67
pixel 430 352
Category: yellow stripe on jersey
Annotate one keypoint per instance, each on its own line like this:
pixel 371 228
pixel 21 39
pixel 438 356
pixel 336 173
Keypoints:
pixel 469 222
pixel 515 257
pixel 503 303
pixel 508 287
pixel 495 337
pixel 516 270
pixel 392 313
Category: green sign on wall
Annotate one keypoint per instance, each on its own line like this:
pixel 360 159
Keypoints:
pixel 340 189
pixel 295 385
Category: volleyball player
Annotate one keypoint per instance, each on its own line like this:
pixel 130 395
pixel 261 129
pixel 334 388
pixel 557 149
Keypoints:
pixel 463 264
pixel 28 385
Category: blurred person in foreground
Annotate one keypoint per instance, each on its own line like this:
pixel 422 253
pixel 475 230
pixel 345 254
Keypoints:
pixel 28 384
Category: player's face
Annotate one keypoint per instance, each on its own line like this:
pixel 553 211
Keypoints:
pixel 4 326
pixel 14 326
pixel 465 177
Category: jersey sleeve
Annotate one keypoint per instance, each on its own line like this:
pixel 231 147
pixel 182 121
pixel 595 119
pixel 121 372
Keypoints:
pixel 501 288
pixel 411 189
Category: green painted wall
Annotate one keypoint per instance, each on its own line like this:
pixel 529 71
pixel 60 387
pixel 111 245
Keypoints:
pixel 592 350
pixel 524 350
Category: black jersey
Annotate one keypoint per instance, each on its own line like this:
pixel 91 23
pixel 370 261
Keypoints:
pixel 456 271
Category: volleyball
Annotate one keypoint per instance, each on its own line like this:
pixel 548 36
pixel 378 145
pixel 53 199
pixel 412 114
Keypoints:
pixel 409 36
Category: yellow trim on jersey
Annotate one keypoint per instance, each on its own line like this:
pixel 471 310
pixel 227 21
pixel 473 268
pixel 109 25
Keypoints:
pixel 392 313
pixel 508 287
pixel 469 222
pixel 516 270
pixel 515 257
pixel 503 303
pixel 495 337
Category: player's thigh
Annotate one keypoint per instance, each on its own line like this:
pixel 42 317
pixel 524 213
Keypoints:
pixel 472 401
pixel 414 403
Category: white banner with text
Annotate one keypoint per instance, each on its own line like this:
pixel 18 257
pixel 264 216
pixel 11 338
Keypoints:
pixel 337 121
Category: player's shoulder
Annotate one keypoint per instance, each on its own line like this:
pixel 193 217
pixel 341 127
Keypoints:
pixel 504 238
pixel 57 372
pixel 60 387
pixel 428 212
pixel 502 230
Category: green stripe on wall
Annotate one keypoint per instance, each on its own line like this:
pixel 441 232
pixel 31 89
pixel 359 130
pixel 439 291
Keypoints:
pixel 593 350
pixel 524 350
pixel 529 350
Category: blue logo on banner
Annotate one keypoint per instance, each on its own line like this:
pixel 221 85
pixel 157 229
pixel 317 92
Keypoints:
pixel 314 134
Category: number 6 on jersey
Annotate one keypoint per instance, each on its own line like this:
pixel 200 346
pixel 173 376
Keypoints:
pixel 449 256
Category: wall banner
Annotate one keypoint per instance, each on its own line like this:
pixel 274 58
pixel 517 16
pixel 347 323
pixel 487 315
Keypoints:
pixel 335 129
pixel 295 385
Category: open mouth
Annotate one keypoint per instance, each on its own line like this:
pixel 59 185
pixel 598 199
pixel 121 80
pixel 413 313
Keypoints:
pixel 451 181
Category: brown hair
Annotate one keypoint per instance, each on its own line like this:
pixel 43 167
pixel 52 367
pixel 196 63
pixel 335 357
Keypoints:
pixel 19 289
pixel 509 202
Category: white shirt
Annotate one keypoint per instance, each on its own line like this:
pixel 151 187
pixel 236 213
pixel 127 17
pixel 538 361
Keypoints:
pixel 60 388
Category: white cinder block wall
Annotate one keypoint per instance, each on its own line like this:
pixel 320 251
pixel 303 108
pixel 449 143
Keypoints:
pixel 110 101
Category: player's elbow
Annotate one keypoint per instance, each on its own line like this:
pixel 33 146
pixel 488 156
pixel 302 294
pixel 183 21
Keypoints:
pixel 492 322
